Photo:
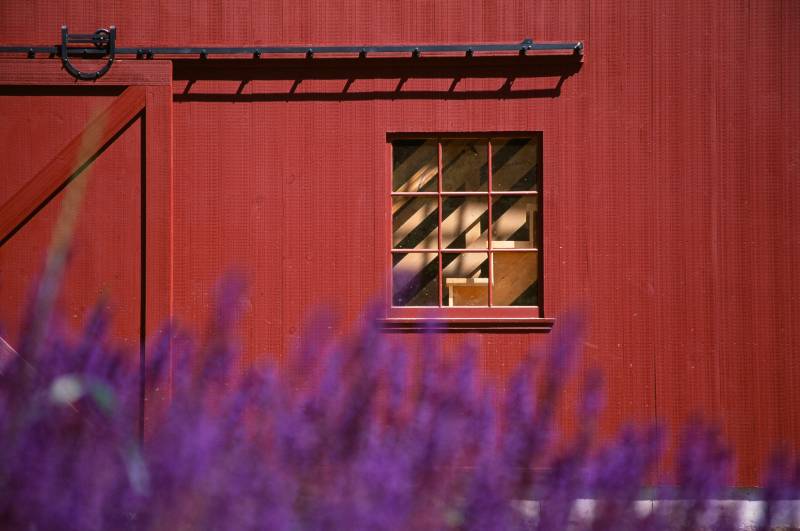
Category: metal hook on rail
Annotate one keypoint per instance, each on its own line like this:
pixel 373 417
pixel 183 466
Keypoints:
pixel 104 42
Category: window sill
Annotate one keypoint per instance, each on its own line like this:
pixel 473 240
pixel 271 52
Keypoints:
pixel 483 324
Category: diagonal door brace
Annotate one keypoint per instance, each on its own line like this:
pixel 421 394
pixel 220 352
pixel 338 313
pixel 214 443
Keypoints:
pixel 81 151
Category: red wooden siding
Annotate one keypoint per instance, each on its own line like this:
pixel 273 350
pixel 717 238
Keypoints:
pixel 671 164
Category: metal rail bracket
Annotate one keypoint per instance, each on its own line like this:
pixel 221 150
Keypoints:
pixel 101 45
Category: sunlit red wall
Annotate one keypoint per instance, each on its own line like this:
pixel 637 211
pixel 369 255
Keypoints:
pixel 671 190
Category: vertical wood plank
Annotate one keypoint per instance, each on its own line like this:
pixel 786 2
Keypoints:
pixel 157 232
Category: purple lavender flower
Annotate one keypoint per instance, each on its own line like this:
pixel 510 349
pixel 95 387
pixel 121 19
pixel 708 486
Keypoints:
pixel 354 432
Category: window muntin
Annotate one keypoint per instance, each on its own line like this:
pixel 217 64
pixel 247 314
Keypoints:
pixel 465 222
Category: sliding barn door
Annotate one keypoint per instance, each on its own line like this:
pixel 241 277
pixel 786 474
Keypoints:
pixel 87 164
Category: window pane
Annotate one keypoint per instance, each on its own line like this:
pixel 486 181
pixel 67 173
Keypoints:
pixel 465 222
pixel 514 164
pixel 515 275
pixel 466 279
pixel 464 166
pixel 415 279
pixel 514 221
pixel 415 164
pixel 414 222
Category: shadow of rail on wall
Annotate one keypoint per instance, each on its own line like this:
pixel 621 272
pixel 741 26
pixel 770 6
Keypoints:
pixel 355 79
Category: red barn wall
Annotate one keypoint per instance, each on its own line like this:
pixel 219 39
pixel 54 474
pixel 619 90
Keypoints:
pixel 671 164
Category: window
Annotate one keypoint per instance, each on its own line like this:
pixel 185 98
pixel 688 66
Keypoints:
pixel 465 224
